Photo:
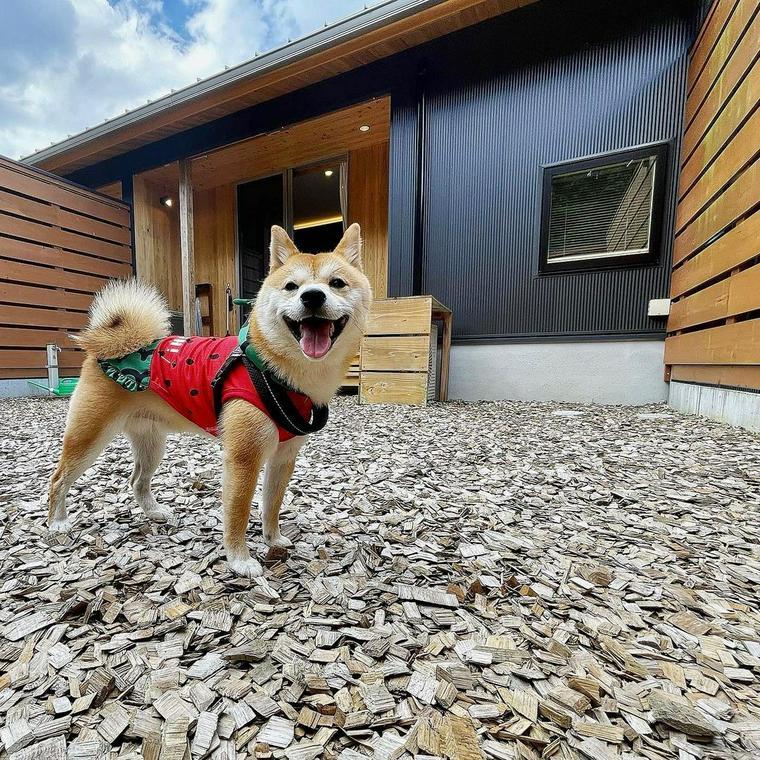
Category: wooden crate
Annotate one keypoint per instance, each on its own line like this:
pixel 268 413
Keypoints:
pixel 395 351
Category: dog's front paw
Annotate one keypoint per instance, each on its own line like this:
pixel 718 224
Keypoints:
pixel 60 526
pixel 278 541
pixel 248 567
pixel 159 514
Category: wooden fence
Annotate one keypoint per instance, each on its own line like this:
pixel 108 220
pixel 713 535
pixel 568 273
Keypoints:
pixel 59 243
pixel 714 324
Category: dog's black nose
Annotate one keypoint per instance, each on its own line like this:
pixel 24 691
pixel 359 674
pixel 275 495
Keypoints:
pixel 313 298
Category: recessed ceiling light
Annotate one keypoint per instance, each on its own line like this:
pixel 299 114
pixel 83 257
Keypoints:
pixel 364 128
pixel 328 172
pixel 165 200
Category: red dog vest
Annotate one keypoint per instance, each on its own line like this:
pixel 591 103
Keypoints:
pixel 181 372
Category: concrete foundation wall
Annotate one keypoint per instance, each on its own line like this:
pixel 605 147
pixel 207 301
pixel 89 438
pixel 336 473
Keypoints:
pixel 602 372
pixel 17 388
pixel 740 408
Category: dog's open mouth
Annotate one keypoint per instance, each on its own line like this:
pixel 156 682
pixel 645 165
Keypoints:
pixel 316 335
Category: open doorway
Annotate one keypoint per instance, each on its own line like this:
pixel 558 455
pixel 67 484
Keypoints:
pixel 309 202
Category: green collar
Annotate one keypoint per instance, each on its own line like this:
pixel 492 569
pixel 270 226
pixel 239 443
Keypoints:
pixel 248 348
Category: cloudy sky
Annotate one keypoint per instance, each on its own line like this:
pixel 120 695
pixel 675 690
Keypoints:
pixel 69 64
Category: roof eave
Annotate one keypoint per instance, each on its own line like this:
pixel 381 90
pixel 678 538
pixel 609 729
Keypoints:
pixel 342 31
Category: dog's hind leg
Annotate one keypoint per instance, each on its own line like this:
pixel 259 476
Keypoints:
pixel 148 445
pixel 276 478
pixel 90 427
pixel 248 439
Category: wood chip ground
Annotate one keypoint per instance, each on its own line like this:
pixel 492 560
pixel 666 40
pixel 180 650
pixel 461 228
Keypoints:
pixel 496 580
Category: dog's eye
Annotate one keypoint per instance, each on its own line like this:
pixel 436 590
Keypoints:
pixel 336 282
pixel 290 286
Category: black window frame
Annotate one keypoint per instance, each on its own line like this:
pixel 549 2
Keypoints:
pixel 660 152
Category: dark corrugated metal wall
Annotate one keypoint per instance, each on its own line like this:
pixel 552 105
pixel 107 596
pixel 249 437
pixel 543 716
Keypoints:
pixel 542 85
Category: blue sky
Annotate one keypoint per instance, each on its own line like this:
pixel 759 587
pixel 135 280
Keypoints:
pixel 69 64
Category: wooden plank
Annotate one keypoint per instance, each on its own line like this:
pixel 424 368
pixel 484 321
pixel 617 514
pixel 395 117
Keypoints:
pixel 700 114
pixel 735 248
pixel 704 29
pixel 29 181
pixel 215 239
pixel 53 236
pixel 398 353
pixel 400 316
pixel 736 110
pixel 742 149
pixel 745 376
pixel 24 337
pixel 39 296
pixel 735 295
pixel 36 211
pixel 447 317
pixel 157 254
pixel 368 205
pixel 187 246
pixel 30 316
pixel 37 275
pixel 34 373
pixel 37 358
pixel 731 205
pixel 393 388
pixel 34 253
pixel 113 189
pixel 712 30
pixel 737 343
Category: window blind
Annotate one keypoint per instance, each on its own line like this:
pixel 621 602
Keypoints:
pixel 602 212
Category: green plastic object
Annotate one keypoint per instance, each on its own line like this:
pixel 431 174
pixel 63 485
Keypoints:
pixel 242 301
pixel 65 387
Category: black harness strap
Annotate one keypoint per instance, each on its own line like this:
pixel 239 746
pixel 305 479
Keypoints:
pixel 217 382
pixel 273 395
pixel 279 405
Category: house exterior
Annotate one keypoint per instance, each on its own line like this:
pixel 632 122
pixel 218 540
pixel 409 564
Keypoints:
pixel 518 161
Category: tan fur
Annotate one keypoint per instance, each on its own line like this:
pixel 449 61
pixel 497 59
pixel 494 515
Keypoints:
pixel 125 316
pixel 128 315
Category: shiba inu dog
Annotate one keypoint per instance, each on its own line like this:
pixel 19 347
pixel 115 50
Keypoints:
pixel 303 333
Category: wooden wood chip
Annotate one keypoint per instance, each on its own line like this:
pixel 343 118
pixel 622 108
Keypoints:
pixel 277 732
pixel 679 714
pixel 114 721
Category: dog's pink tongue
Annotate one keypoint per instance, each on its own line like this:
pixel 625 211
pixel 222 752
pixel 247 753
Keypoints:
pixel 315 338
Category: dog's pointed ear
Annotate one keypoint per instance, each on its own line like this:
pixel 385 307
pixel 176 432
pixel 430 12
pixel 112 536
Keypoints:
pixel 281 248
pixel 350 246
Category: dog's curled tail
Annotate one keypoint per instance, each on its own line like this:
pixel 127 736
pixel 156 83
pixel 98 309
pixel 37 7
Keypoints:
pixel 125 315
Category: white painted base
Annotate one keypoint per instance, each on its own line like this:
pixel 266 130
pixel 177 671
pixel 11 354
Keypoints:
pixel 601 372
pixel 740 408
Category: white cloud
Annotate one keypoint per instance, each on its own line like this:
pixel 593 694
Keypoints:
pixel 69 64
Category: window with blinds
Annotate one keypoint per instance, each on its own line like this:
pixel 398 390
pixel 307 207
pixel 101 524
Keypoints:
pixel 603 211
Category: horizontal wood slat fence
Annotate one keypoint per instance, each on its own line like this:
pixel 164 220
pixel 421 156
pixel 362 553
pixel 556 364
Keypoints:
pixel 59 244
pixel 714 323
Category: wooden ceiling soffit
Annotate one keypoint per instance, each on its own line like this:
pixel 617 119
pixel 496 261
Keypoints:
pixel 333 134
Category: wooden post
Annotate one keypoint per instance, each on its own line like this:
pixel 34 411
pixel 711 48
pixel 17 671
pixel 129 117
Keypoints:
pixel 187 246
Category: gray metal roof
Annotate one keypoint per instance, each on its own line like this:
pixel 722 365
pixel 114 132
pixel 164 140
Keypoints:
pixel 349 28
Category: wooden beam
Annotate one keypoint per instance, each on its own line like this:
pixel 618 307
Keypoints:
pixel 187 246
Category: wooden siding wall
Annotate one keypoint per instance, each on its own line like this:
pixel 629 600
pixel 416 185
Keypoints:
pixel 368 205
pixel 59 244
pixel 215 233
pixel 157 253
pixel 714 323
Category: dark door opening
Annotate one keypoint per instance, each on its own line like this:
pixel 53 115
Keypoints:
pixel 260 204
pixel 308 202
pixel 318 207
